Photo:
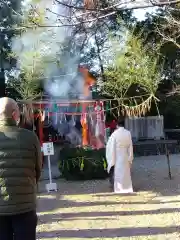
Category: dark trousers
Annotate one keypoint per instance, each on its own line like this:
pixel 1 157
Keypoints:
pixel 18 227
pixel 111 177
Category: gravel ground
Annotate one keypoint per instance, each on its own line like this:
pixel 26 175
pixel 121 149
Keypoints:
pixel 88 210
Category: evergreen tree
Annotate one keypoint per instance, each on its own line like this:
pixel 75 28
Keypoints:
pixel 159 29
pixel 8 17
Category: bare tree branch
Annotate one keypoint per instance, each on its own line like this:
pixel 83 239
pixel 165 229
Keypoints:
pixel 170 29
pixel 81 13
pixel 123 4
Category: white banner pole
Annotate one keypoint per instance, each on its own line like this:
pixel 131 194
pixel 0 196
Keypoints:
pixel 48 150
pixel 49 168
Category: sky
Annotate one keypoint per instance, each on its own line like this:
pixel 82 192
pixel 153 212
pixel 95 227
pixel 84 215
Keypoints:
pixel 140 13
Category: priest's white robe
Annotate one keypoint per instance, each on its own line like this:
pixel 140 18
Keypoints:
pixel 119 153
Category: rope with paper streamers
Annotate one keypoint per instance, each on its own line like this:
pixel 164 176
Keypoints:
pixel 139 109
pixel 76 101
pixel 125 106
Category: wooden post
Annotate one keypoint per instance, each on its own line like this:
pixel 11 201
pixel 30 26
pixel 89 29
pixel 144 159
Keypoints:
pixel 168 161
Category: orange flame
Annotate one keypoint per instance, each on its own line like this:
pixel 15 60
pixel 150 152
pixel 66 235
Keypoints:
pixel 88 80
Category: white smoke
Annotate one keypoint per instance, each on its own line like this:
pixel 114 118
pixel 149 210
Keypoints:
pixel 48 49
pixel 44 49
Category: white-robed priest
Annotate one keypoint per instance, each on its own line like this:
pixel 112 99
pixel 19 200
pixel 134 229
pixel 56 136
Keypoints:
pixel 119 155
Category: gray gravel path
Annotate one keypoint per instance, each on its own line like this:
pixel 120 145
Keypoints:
pixel 88 210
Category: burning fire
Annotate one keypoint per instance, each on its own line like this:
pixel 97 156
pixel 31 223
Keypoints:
pixel 88 80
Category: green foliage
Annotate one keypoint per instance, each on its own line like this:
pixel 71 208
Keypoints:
pixel 134 65
pixel 28 84
pixel 33 17
pixel 162 28
pixel 156 29
pixel 7 20
pixel 83 164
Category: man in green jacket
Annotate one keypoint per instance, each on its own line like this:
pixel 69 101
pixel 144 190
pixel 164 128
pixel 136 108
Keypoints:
pixel 20 168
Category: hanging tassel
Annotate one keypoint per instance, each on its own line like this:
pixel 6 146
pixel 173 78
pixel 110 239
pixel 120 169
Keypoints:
pixel 48 115
pixel 60 120
pixel 91 119
pixel 97 131
pixel 82 165
pixel 56 121
pixel 76 108
pixel 43 115
pixel 73 121
pixel 65 119
pixel 104 164
pixel 55 111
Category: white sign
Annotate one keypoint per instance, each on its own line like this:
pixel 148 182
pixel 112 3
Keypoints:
pixel 48 148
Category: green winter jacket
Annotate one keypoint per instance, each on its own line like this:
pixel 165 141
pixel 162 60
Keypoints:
pixel 20 168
